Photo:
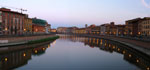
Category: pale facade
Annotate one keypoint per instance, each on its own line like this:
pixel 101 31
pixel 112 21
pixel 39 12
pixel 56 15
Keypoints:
pixel 145 27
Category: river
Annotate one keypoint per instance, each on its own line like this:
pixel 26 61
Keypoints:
pixel 73 53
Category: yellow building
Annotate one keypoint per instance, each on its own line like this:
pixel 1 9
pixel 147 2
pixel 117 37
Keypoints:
pixel 144 27
pixel 53 30
pixel 28 26
pixel 80 31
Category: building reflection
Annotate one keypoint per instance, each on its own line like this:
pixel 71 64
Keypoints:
pixel 131 55
pixel 39 50
pixel 11 58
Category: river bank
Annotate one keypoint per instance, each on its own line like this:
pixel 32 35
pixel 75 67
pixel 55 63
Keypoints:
pixel 11 41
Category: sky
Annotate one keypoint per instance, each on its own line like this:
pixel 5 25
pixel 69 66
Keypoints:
pixel 68 13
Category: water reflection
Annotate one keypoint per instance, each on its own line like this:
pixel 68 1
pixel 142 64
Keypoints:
pixel 17 56
pixel 131 55
pixel 69 55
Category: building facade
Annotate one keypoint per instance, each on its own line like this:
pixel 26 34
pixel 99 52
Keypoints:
pixel 132 27
pixel 144 27
pixel 53 30
pixel 61 29
pixel 120 30
pixel 28 26
pixel 103 29
pixel 38 26
pixel 96 30
pixel 48 28
pixel 89 29
pixel 112 29
pixel 80 31
pixel 11 22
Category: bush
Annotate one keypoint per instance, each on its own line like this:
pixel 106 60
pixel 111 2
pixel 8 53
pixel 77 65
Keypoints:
pixel 43 40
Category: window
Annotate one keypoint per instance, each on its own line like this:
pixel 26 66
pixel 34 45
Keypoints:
pixel 3 14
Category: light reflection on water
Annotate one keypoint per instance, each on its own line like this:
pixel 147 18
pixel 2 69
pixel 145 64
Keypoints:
pixel 76 53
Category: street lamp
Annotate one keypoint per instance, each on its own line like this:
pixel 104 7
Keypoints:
pixel 139 33
pixel 125 33
pixel 131 33
pixel 6 29
pixel 24 29
pixel 36 30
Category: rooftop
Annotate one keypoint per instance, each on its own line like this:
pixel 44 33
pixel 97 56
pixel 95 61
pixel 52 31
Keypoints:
pixel 9 11
pixel 39 21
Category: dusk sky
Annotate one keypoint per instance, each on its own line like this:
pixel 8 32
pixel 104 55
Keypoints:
pixel 81 12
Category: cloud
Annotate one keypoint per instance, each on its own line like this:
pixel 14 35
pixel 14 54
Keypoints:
pixel 145 4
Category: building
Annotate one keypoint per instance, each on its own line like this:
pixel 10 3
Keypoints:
pixel 53 30
pixel 96 30
pixel 11 22
pixel 66 30
pixel 144 27
pixel 80 31
pixel 132 27
pixel 38 26
pixel 70 30
pixel 89 29
pixel 110 29
pixel 28 26
pixel 48 28
pixel 120 30
pixel 103 29
pixel 61 29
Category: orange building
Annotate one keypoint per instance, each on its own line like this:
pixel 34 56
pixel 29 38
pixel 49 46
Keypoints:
pixel 38 26
pixel 38 29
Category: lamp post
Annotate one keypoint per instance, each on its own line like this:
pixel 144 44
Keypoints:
pixel 25 31
pixel 6 29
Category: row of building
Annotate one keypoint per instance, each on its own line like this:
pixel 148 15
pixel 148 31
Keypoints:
pixel 135 27
pixel 15 23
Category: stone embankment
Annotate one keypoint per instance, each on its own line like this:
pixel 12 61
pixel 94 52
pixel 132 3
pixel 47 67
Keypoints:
pixel 9 41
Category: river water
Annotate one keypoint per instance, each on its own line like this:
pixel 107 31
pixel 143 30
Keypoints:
pixel 73 53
